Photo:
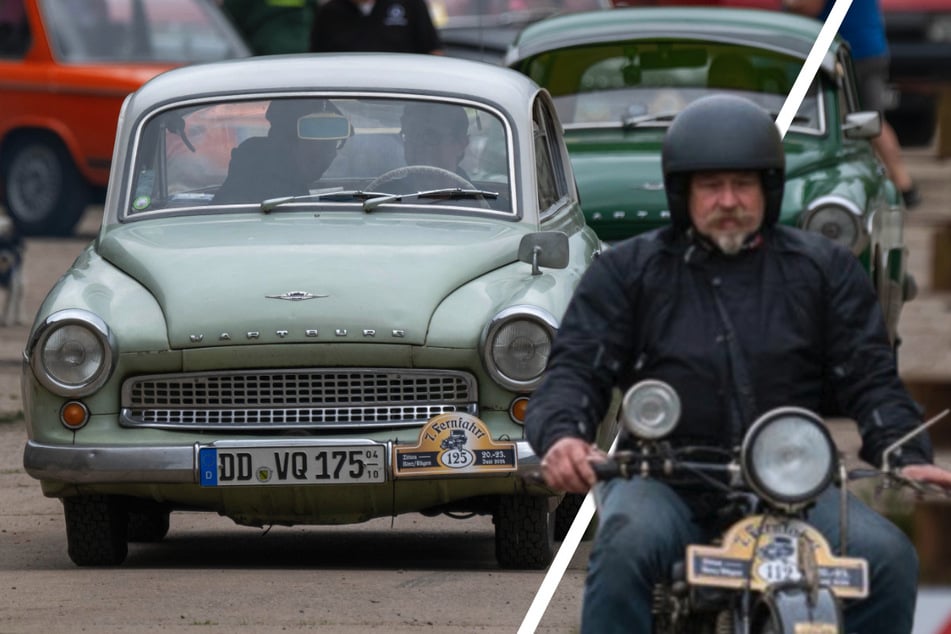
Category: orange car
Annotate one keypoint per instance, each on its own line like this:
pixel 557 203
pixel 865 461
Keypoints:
pixel 65 68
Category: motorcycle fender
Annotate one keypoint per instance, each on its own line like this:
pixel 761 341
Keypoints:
pixel 794 613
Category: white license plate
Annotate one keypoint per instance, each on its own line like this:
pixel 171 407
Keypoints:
pixel 258 466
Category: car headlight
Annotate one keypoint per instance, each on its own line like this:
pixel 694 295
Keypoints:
pixel 72 353
pixel 838 219
pixel 516 345
pixel 650 409
pixel 788 457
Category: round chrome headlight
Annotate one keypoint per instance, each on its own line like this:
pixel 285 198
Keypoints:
pixel 72 353
pixel 516 345
pixel 650 409
pixel 838 219
pixel 788 456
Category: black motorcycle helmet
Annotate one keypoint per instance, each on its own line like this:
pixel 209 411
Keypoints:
pixel 722 132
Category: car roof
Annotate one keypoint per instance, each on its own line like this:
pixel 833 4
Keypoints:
pixel 344 72
pixel 773 30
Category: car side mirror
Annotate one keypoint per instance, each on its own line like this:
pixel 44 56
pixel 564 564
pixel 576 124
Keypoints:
pixel 547 249
pixel 862 125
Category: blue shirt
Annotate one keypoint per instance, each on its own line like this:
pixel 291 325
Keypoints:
pixel 863 28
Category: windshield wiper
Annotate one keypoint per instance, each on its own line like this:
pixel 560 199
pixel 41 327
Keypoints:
pixel 449 193
pixel 629 122
pixel 267 206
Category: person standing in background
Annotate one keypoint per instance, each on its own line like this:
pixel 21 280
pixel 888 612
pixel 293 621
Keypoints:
pixel 395 26
pixel 864 29
pixel 272 27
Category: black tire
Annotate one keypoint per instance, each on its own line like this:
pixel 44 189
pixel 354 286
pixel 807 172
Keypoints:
pixel 524 532
pixel 147 526
pixel 565 514
pixel 96 530
pixel 45 194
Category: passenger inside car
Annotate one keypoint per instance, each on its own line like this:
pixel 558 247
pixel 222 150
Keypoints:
pixel 435 134
pixel 287 161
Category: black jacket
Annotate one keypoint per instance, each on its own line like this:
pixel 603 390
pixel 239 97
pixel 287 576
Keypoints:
pixel 801 313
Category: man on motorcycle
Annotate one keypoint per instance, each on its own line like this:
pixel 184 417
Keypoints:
pixel 739 314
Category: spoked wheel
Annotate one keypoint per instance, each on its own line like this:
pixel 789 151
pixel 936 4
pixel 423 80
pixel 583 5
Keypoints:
pixel 96 530
pixel 45 193
pixel 524 532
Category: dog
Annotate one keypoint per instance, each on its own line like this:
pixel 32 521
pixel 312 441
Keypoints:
pixel 11 273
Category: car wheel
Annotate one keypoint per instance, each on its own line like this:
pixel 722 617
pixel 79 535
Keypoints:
pixel 524 532
pixel 96 530
pixel 147 526
pixel 45 193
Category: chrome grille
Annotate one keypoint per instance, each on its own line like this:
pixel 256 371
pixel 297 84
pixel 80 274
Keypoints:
pixel 324 399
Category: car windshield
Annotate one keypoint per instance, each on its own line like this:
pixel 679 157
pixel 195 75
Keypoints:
pixel 464 13
pixel 345 154
pixel 138 30
pixel 645 83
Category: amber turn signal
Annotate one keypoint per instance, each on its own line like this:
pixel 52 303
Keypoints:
pixel 518 408
pixel 74 415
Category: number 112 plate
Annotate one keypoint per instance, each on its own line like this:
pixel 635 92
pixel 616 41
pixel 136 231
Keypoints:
pixel 257 466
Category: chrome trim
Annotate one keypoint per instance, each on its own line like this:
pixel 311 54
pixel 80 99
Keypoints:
pixel 854 213
pixel 296 398
pixel 99 329
pixel 513 313
pixel 169 464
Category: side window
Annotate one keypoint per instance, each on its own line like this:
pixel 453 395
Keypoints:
pixel 549 159
pixel 848 93
pixel 14 29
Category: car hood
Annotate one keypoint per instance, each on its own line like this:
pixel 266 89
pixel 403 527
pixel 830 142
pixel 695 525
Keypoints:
pixel 621 183
pixel 279 279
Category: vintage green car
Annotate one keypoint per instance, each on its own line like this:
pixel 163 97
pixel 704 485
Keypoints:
pixel 619 77
pixel 323 291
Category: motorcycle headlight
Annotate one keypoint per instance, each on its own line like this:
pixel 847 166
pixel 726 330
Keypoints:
pixel 72 353
pixel 838 219
pixel 650 409
pixel 788 457
pixel 516 345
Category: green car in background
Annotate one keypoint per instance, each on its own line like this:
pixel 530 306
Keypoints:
pixel 619 77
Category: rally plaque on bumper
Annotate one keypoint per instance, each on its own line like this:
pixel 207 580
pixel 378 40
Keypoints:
pixel 291 465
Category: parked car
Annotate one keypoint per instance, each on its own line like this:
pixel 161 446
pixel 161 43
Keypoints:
pixel 363 348
pixel 619 77
pixel 65 67
pixel 919 41
pixel 484 29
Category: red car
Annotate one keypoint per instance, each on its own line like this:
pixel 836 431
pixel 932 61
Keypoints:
pixel 65 68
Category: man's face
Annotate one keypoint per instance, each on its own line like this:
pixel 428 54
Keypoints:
pixel 726 207
pixel 424 143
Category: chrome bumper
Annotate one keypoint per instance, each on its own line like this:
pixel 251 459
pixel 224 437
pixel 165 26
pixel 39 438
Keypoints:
pixel 156 464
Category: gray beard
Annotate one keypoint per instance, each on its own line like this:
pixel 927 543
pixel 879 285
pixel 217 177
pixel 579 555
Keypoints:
pixel 730 244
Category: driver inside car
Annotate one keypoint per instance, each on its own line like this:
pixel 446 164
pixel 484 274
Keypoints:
pixel 300 145
pixel 435 134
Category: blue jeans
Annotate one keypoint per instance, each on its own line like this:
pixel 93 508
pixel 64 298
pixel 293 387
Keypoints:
pixel 644 527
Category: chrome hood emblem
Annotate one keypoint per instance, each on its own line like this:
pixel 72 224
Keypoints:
pixel 296 296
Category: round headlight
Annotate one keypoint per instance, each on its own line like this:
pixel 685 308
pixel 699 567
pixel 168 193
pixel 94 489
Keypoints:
pixel 516 346
pixel 72 353
pixel 650 409
pixel 788 456
pixel 839 220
